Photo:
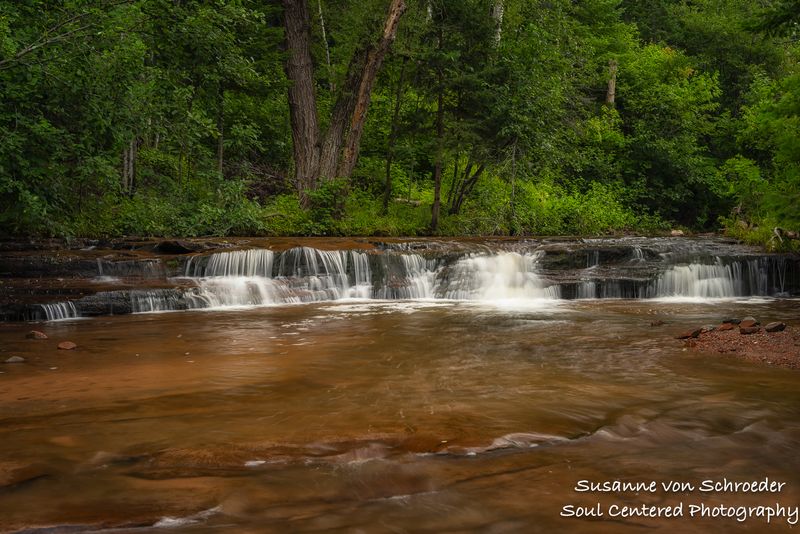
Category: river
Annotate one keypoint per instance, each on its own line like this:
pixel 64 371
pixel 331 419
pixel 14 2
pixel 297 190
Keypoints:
pixel 478 411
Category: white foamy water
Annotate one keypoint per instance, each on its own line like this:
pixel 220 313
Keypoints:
pixel 60 311
pixel 501 277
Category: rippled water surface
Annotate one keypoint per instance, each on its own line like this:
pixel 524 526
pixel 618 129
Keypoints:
pixel 355 416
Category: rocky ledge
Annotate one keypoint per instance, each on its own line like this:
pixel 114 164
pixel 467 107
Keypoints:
pixel 773 344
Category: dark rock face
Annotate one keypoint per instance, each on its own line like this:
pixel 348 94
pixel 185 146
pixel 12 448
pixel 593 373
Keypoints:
pixel 177 247
pixel 747 330
pixel 777 326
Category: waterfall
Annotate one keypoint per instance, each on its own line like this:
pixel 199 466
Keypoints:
pixel 502 276
pixel 699 280
pixel 259 277
pixel 59 311
pixel 592 258
pixel 254 262
pixel 155 300
pixel 587 290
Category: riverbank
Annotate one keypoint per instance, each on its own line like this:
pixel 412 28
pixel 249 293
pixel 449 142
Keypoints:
pixel 781 349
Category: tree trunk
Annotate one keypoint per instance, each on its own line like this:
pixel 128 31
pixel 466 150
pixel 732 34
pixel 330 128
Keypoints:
pixel 512 223
pixel 611 93
pixel 467 185
pixel 437 169
pixel 129 156
pixel 364 95
pixel 316 157
pixel 498 9
pixel 331 85
pixel 220 131
pixel 302 98
pixel 387 191
pixel 342 111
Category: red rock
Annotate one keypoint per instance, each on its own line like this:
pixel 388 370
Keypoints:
pixel 748 322
pixel 777 326
pixel 747 330
pixel 725 326
pixel 67 345
pixel 690 334
pixel 36 334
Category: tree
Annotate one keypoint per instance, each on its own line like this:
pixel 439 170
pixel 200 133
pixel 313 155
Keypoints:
pixel 334 154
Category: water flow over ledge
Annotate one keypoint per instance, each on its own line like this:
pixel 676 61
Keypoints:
pixel 520 272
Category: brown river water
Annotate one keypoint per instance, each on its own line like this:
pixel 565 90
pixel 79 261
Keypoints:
pixel 411 416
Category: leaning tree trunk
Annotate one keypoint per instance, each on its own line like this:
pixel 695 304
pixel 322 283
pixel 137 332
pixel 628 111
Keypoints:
pixel 302 98
pixel 364 95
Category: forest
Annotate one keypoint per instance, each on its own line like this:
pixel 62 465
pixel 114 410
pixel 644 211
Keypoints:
pixel 399 117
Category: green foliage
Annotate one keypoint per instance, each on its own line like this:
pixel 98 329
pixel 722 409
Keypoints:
pixel 152 117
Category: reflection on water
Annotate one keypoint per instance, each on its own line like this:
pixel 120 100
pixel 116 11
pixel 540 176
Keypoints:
pixel 358 416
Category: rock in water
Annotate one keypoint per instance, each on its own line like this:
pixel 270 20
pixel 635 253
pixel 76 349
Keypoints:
pixel 777 326
pixel 67 345
pixel 726 326
pixel 690 334
pixel 731 321
pixel 748 322
pixel 747 330
pixel 16 359
pixel 36 334
pixel 657 323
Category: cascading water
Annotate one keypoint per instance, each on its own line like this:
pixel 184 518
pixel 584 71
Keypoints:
pixel 503 276
pixel 716 280
pixel 261 277
pixel 59 311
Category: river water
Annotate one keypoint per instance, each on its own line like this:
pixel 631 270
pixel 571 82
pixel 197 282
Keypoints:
pixel 391 416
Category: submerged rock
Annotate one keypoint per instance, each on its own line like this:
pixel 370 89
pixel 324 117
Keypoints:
pixel 36 334
pixel 731 321
pixel 67 345
pixel 15 359
pixel 748 322
pixel 777 326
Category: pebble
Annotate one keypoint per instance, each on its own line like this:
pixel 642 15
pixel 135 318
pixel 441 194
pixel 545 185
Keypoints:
pixel 67 345
pixel 777 326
